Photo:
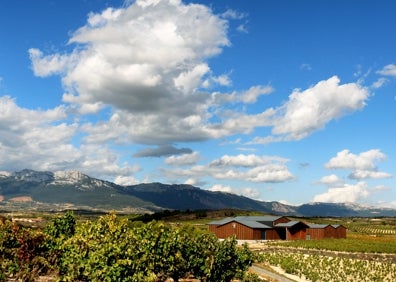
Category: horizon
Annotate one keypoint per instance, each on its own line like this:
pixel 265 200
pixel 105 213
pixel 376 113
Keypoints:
pixel 9 173
pixel 273 100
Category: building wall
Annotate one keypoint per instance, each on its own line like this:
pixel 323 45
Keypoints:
pixel 315 233
pixel 240 231
pixel 327 232
pixel 321 233
pixel 275 234
pixel 243 232
pixel 330 232
pixel 297 232
pixel 340 232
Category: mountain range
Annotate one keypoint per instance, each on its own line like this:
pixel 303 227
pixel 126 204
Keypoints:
pixel 54 191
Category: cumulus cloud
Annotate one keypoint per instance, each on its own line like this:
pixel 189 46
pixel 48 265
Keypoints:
pixel 363 165
pixel 42 140
pixel 153 71
pixel 330 179
pixel 35 138
pixel 184 159
pixel 134 59
pixel 144 69
pixel 49 65
pixel 250 168
pixel 309 110
pixel 363 161
pixel 346 193
pixel 161 151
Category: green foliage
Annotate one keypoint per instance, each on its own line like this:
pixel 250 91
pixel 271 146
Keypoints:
pixel 108 250
pixel 112 249
pixel 61 226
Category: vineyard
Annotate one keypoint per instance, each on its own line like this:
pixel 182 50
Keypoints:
pixel 111 248
pixel 368 254
pixel 372 228
pixel 369 226
pixel 327 268
pixel 354 243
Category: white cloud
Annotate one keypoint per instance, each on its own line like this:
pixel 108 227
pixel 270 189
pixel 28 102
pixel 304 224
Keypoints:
pixel 379 83
pixel 43 140
pixel 330 179
pixel 249 96
pixel 49 65
pixel 247 191
pixel 151 70
pixel 223 80
pixel 250 160
pixel 254 92
pixel 388 70
pixel 365 174
pixel 248 168
pixel 346 193
pixel 309 110
pixel 233 14
pixel 138 61
pixel 221 188
pixel 125 180
pixel 34 138
pixel 269 173
pixel 363 165
pixel 185 159
pixel 250 193
pixel 363 161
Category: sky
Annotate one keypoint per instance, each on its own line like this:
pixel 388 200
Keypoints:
pixel 278 100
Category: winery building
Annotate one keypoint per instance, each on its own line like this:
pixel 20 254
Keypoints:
pixel 273 228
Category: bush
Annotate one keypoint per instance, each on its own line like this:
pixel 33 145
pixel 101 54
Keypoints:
pixel 107 250
pixel 111 249
pixel 22 252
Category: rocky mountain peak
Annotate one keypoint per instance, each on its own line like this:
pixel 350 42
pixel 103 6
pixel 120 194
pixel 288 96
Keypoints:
pixel 33 176
pixel 72 176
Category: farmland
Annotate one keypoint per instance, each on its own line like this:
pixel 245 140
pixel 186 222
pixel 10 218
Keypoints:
pixel 368 253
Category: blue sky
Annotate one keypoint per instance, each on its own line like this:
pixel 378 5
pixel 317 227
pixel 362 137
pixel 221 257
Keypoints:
pixel 291 101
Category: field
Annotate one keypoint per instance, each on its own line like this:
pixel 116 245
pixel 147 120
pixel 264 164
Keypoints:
pixel 368 253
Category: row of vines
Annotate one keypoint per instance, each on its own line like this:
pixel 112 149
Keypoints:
pixel 325 268
pixel 373 229
pixel 354 243
pixel 113 249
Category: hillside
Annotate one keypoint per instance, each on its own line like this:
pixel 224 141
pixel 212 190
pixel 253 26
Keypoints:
pixel 48 191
